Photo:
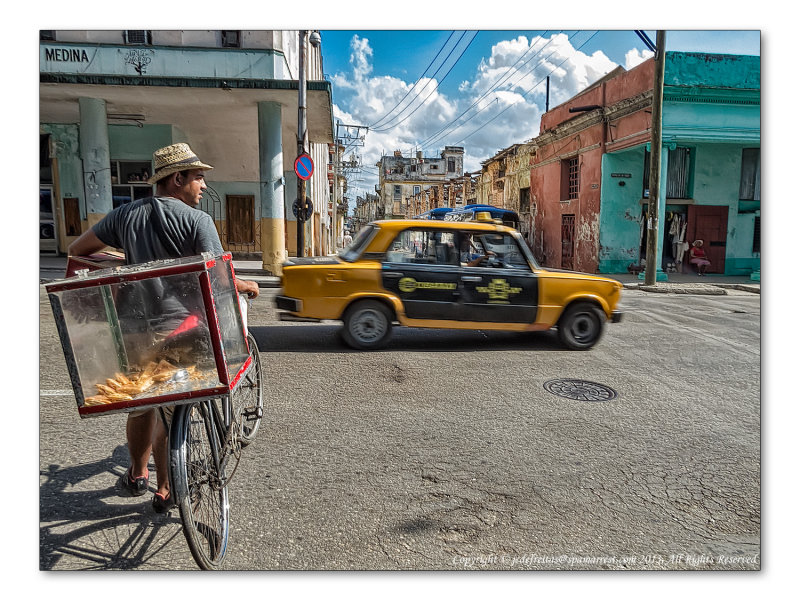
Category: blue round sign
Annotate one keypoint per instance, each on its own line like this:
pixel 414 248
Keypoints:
pixel 304 166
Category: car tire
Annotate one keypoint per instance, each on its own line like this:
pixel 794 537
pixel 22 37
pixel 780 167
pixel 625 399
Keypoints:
pixel 581 326
pixel 367 325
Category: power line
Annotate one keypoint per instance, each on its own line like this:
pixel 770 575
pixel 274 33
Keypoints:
pixel 436 137
pixel 525 93
pixel 417 81
pixel 389 127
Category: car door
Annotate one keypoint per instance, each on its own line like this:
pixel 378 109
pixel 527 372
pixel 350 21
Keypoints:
pixel 502 288
pixel 421 268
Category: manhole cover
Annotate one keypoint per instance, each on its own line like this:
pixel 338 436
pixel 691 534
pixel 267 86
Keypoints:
pixel 578 389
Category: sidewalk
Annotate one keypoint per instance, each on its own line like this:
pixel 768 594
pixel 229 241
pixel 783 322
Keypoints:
pixel 53 267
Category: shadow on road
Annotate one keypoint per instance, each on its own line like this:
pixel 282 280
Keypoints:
pixel 99 529
pixel 322 337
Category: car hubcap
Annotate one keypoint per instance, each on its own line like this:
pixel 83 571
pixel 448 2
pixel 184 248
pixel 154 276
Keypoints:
pixel 583 328
pixel 369 326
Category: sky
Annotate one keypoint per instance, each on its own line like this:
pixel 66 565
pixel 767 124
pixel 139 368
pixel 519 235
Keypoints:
pixel 420 90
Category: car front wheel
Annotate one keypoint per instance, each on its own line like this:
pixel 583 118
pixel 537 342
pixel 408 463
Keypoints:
pixel 581 326
pixel 367 325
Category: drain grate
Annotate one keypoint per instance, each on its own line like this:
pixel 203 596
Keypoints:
pixel 578 389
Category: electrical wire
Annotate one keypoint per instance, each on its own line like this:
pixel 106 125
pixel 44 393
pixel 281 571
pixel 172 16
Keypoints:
pixel 417 81
pixel 428 142
pixel 526 92
pixel 388 127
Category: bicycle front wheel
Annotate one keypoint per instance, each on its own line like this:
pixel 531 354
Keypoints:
pixel 197 483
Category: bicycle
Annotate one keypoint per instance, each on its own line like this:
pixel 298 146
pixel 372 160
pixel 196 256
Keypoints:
pixel 216 409
pixel 203 438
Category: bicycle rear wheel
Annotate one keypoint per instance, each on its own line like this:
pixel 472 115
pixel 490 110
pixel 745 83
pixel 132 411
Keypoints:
pixel 197 483
pixel 248 398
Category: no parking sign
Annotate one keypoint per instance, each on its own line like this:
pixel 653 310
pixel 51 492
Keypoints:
pixel 304 166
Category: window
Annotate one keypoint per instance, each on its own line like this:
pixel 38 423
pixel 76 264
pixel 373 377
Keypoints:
pixel 129 181
pixel 757 236
pixel 501 249
pixel 397 190
pixel 434 167
pixel 417 189
pixel 420 246
pixel 570 179
pixel 679 168
pixel 451 165
pixel 231 39
pixel 524 199
pixel 750 181
pixel 138 37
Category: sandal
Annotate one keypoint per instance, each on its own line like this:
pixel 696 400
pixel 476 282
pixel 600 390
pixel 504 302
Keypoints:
pixel 134 486
pixel 162 504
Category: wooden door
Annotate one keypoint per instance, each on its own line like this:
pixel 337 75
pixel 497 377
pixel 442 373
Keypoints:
pixel 710 224
pixel 240 219
pixel 568 242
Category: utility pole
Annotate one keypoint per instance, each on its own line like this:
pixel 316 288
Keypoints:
pixel 302 142
pixel 347 136
pixel 655 162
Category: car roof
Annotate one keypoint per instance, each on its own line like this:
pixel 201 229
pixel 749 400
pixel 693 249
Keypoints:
pixel 400 224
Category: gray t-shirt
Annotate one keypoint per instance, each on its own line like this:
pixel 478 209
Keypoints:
pixel 160 303
pixel 133 227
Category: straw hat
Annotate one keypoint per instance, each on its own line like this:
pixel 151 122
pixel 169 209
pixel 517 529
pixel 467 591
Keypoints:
pixel 174 158
pixel 697 243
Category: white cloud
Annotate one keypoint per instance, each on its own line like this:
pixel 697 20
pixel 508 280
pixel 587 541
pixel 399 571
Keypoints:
pixel 634 57
pixel 501 105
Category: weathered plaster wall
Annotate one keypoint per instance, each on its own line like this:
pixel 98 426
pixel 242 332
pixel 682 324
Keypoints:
pixel 620 210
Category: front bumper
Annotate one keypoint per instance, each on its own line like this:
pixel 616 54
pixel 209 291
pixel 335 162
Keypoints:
pixel 287 303
pixel 616 316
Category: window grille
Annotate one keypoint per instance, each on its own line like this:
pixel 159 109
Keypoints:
pixel 679 170
pixel 573 178
pixel 231 39
pixel 750 182
pixel 138 37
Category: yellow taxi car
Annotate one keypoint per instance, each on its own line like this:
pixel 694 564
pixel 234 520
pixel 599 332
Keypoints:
pixel 443 274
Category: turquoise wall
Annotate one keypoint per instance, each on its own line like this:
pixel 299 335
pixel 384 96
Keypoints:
pixel 620 208
pixel 70 166
pixel 130 142
pixel 711 105
pixel 717 174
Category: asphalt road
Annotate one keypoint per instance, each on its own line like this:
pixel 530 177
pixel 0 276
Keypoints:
pixel 446 452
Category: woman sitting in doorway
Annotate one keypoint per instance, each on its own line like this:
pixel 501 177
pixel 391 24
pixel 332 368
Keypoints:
pixel 697 256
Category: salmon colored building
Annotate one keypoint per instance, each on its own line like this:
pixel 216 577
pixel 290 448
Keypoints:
pixel 590 169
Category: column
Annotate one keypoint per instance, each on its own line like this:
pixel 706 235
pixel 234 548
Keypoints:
pixel 270 161
pixel 94 150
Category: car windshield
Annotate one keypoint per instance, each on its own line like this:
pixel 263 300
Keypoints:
pixel 353 251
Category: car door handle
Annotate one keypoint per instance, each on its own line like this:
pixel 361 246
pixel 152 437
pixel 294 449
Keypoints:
pixel 334 278
pixel 472 278
pixel 392 274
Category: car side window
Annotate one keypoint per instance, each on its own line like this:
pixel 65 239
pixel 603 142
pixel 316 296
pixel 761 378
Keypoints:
pixel 420 246
pixel 500 250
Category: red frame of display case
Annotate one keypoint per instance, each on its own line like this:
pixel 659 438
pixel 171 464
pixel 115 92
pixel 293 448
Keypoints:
pixel 201 267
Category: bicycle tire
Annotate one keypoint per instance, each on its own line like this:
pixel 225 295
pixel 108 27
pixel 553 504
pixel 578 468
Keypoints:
pixel 248 398
pixel 201 497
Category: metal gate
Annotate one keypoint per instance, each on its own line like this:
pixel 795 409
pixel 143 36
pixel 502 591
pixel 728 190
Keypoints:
pixel 211 203
pixel 568 242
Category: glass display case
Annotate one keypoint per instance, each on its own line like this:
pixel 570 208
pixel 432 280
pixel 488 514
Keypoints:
pixel 158 333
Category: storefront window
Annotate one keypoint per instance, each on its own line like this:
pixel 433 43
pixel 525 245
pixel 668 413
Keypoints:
pixel 129 181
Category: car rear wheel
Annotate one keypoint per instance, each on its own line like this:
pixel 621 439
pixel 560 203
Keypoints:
pixel 367 325
pixel 581 326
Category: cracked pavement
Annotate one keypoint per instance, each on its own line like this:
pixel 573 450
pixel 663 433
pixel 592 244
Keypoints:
pixel 445 452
